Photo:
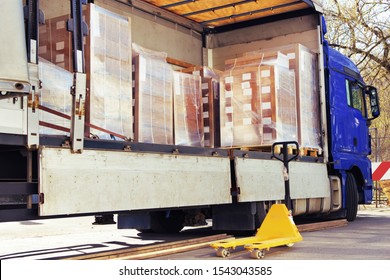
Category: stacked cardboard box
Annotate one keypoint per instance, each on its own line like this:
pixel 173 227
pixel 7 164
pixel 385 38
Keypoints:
pixel 278 104
pixel 304 64
pixel 210 102
pixel 108 66
pixel 239 105
pixel 258 101
pixel 55 42
pixel 188 110
pixel 153 95
pixel 110 73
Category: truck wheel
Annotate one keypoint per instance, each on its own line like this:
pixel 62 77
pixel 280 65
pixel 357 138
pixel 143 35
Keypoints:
pixel 261 212
pixel 173 223
pixel 352 198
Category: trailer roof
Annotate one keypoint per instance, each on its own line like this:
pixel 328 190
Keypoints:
pixel 214 13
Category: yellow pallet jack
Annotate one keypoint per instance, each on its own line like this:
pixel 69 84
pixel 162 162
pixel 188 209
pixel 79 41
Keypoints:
pixel 277 229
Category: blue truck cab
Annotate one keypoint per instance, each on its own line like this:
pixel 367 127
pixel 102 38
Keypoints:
pixel 352 105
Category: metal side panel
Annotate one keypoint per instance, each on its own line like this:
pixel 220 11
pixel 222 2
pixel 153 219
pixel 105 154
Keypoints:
pixel 99 180
pixel 308 180
pixel 259 179
pixel 13 116
pixel 13 54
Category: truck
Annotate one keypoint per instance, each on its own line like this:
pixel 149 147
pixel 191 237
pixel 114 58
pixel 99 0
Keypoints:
pixel 236 176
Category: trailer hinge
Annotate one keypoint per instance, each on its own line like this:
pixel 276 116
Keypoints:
pixel 235 191
pixel 66 144
pixel 41 198
pixel 215 154
pixel 175 151
pixel 32 107
pixel 78 92
pixel 127 148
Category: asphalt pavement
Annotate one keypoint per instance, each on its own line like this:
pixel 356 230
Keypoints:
pixel 367 238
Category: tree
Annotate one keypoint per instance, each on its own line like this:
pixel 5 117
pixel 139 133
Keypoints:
pixel 361 30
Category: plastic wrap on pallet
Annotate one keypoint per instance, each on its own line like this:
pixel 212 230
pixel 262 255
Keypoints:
pixel 203 71
pixel 284 122
pixel 108 66
pixel 55 94
pixel 210 102
pixel 110 73
pixel 188 113
pixel 310 129
pixel 153 97
pixel 239 101
pixel 258 104
pixel 304 63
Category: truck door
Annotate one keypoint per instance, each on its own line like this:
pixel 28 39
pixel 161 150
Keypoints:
pixel 349 121
pixel 356 118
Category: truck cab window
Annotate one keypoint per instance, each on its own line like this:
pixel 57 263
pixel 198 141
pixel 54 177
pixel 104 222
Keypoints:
pixel 355 96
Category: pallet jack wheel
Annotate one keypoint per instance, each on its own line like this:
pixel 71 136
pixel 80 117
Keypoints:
pixel 290 244
pixel 223 252
pixel 257 254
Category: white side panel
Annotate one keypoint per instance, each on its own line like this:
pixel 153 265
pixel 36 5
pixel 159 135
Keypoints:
pixel 112 181
pixel 13 57
pixel 308 180
pixel 13 118
pixel 259 179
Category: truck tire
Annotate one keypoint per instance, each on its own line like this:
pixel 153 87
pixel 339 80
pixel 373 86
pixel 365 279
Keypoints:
pixel 173 223
pixel 163 223
pixel 261 212
pixel 352 198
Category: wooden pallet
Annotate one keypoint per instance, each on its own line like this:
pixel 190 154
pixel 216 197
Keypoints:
pixel 310 152
pixel 322 225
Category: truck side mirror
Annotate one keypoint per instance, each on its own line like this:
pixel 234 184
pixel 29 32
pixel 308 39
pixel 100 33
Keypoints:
pixel 373 99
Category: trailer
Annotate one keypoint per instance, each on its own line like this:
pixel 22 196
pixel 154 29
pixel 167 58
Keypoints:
pixel 94 122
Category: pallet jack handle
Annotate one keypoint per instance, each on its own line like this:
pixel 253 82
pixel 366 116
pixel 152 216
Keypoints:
pixel 284 157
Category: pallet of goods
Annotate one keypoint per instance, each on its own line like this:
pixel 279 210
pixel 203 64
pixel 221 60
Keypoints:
pixel 304 63
pixel 108 67
pixel 258 105
pixel 153 96
pixel 210 102
pixel 188 110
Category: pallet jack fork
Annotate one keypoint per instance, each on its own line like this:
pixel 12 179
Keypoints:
pixel 278 227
